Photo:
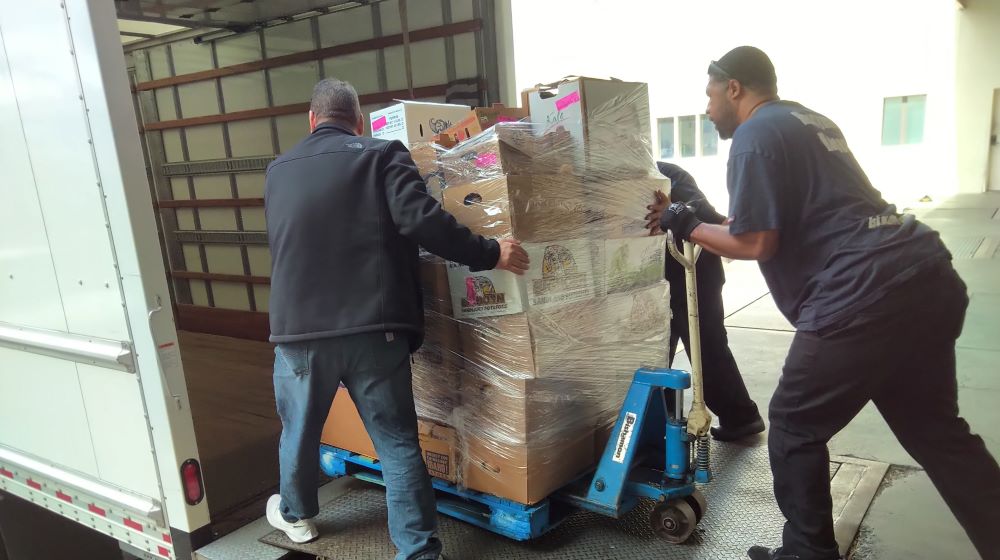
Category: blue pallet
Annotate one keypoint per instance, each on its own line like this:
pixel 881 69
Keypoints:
pixel 505 517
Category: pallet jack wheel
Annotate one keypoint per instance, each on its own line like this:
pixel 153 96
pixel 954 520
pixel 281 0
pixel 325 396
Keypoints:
pixel 697 502
pixel 673 521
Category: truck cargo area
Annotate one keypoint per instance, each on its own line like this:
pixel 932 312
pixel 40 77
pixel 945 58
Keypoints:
pixel 236 426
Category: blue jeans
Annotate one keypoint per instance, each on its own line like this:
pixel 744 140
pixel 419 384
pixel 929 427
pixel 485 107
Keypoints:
pixel 375 368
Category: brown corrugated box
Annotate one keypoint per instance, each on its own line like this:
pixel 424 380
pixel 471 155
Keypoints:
pixel 529 207
pixel 344 429
pixel 437 368
pixel 525 474
pixel 522 438
pixel 528 411
pixel 499 345
pixel 559 342
pixel 616 207
pixel 498 113
pixel 434 284
pixel 531 344
pixel 425 156
pixel 512 149
pixel 464 129
pixel 608 119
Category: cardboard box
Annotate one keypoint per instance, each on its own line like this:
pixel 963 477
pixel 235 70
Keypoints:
pixel 486 293
pixel 509 149
pixel 517 410
pixel 616 207
pixel 597 337
pixel 499 113
pixel 637 315
pixel 465 128
pixel 344 429
pixel 622 333
pixel 528 345
pixel 561 272
pixel 425 156
pixel 525 474
pixel 632 263
pixel 499 346
pixel 437 366
pixel 608 119
pixel 412 121
pixel 434 284
pixel 531 208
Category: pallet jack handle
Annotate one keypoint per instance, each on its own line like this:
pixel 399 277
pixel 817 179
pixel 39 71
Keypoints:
pixel 699 419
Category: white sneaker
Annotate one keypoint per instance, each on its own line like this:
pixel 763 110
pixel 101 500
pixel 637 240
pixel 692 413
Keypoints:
pixel 302 531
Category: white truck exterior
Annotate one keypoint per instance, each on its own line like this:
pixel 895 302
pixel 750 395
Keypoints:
pixel 95 416
pixel 93 403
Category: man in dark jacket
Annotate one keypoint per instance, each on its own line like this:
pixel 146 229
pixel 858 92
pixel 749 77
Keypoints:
pixel 725 393
pixel 345 217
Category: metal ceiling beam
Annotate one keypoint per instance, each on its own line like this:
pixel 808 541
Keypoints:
pixel 127 9
pixel 136 34
pixel 184 22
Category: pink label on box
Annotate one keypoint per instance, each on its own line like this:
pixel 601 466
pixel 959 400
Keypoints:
pixel 504 118
pixel 567 101
pixel 486 160
pixel 379 123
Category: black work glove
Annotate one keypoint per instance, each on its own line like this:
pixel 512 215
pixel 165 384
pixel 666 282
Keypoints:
pixel 679 219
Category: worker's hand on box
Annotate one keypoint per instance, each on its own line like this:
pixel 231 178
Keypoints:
pixel 660 203
pixel 680 219
pixel 513 257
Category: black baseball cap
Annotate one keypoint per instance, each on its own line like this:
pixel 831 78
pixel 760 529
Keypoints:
pixel 748 65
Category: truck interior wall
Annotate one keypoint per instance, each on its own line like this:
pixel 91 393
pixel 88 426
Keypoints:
pixel 212 223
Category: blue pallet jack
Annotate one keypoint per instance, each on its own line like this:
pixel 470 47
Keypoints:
pixel 654 452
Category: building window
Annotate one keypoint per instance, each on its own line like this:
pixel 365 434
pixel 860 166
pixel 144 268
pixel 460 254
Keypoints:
pixel 709 137
pixel 689 146
pixel 903 120
pixel 666 133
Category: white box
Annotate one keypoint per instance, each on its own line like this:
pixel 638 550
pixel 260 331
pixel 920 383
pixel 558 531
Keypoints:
pixel 610 115
pixel 413 121
pixel 487 293
pixel 633 263
pixel 637 315
pixel 561 272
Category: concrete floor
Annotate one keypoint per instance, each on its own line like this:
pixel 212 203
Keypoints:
pixel 908 520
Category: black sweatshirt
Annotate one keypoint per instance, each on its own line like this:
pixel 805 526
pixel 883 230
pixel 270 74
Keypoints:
pixel 345 217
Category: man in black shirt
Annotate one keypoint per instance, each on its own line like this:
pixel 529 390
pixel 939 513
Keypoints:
pixel 725 393
pixel 875 301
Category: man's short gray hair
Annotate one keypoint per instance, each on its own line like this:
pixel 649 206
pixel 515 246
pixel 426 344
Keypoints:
pixel 337 100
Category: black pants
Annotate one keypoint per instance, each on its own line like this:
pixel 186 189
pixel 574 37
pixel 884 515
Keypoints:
pixel 725 393
pixel 900 354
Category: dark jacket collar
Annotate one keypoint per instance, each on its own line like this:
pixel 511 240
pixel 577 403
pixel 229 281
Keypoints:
pixel 335 126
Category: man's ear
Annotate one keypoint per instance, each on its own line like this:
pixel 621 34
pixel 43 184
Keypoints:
pixel 312 121
pixel 359 128
pixel 734 89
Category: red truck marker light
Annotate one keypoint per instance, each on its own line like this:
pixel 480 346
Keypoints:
pixel 194 489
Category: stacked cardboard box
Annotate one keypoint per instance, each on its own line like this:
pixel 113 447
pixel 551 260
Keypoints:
pixel 607 119
pixel 438 364
pixel 528 371
pixel 549 355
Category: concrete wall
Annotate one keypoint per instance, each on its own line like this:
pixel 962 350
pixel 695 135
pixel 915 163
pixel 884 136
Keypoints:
pixel 841 59
pixel 978 74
